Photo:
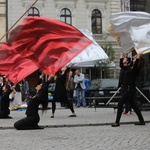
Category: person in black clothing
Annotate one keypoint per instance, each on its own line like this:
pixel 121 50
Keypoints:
pixel 1 87
pixel 4 113
pixel 60 93
pixel 126 62
pixel 129 90
pixel 41 97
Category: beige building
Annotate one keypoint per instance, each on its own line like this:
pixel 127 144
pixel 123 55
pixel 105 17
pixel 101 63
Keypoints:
pixel 2 19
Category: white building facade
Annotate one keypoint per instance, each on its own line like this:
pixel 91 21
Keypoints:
pixel 79 13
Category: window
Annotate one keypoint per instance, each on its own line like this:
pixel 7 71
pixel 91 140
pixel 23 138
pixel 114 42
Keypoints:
pixel 65 16
pixel 96 20
pixel 137 5
pixel 34 12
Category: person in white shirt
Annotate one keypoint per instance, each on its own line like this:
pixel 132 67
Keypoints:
pixel 80 88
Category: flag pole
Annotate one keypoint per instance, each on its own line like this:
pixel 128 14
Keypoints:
pixel 18 20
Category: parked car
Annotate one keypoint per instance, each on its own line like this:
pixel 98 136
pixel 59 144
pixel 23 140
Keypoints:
pixel 102 90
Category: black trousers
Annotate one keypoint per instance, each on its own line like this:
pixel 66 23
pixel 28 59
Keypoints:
pixel 62 99
pixel 29 122
pixel 128 94
pixel 127 107
pixel 4 115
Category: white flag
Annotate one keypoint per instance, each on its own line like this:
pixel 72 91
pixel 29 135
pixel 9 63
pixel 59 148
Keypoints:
pixel 132 29
pixel 91 55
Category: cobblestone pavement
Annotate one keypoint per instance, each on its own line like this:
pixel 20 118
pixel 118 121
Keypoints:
pixel 89 131
pixel 125 137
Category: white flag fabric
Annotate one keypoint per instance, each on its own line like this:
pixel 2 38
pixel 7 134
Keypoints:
pixel 132 30
pixel 142 38
pixel 91 55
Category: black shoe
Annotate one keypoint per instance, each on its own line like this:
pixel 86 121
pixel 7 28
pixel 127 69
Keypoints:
pixel 38 127
pixel 140 123
pixel 6 117
pixel 115 125
pixel 72 116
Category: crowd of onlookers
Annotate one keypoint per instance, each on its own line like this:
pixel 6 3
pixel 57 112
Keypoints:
pixel 17 93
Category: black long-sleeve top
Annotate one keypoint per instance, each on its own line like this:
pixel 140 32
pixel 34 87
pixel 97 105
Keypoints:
pixel 32 108
pixel 122 70
pixel 60 89
pixel 5 102
pixel 130 73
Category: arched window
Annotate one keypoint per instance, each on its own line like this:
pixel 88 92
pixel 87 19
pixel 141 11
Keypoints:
pixel 65 16
pixel 34 12
pixel 96 20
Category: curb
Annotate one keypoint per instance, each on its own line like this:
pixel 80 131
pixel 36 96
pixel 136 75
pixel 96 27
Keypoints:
pixel 78 125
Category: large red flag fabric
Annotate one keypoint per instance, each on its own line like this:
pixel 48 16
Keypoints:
pixel 50 43
pixel 13 65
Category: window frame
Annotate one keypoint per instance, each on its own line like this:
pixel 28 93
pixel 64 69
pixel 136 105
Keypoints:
pixel 33 14
pixel 66 16
pixel 96 17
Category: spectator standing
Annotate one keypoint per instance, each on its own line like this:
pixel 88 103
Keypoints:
pixel 25 89
pixel 18 96
pixel 70 85
pixel 1 87
pixel 4 112
pixel 80 88
pixel 87 83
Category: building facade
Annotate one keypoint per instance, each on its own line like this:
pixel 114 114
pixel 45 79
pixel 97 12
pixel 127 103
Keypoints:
pixel 2 19
pixel 90 14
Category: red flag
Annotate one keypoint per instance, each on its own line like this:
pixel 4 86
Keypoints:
pixel 13 65
pixel 50 43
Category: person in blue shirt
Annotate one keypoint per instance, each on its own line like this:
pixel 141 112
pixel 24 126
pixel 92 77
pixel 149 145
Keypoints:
pixel 87 83
pixel 25 89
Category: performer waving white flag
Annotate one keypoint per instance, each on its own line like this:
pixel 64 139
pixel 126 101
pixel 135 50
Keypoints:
pixel 131 30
